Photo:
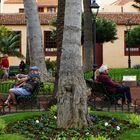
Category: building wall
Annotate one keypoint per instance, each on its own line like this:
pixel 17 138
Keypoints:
pixel 119 8
pixel 113 53
pixel 15 60
pixel 12 8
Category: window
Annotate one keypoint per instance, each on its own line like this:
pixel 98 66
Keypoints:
pixel 134 51
pixel 49 44
pixel 51 9
pixel 21 10
pixel 40 9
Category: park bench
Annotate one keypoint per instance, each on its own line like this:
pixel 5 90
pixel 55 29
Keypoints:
pixel 29 100
pixel 14 70
pixel 4 90
pixel 100 92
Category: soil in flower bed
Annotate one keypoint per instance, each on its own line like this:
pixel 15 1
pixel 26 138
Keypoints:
pixel 44 127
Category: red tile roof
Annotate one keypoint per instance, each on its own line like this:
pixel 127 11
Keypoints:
pixel 119 18
pixel 121 2
pixel 40 2
pixel 13 2
pixel 19 19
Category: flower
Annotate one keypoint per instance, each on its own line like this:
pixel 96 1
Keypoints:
pixel 87 133
pixel 41 124
pixel 37 121
pixel 55 117
pixel 118 128
pixel 106 123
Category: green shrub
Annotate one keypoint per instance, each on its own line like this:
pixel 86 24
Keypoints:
pixel 53 110
pixel 2 126
pixel 137 66
pixel 47 88
pixel 134 119
pixel 50 64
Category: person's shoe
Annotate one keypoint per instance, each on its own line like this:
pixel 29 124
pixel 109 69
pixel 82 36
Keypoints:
pixel 6 103
pixel 133 105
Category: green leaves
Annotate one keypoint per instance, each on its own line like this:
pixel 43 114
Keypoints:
pixel 10 42
pixel 105 30
pixel 133 37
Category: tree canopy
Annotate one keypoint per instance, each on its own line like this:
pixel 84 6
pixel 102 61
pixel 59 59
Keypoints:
pixel 133 39
pixel 105 30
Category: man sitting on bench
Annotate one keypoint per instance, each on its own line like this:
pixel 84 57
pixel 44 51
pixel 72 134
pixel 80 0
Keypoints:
pixel 28 84
pixel 113 86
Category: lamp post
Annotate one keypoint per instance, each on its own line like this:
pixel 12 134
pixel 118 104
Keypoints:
pixel 128 28
pixel 94 8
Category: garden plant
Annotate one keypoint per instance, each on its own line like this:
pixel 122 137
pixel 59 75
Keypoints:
pixel 43 126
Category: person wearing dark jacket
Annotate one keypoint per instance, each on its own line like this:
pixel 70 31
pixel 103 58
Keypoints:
pixel 113 86
pixel 28 84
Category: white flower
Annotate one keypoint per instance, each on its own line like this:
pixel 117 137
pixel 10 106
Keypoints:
pixel 87 133
pixel 118 128
pixel 106 123
pixel 55 117
pixel 37 121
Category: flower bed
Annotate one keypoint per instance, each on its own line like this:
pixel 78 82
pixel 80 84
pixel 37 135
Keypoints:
pixel 42 126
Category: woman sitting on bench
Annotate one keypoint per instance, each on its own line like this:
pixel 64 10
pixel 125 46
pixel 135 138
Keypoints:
pixel 113 86
pixel 28 84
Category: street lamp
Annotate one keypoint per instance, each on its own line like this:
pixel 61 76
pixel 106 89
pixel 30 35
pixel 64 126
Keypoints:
pixel 128 28
pixel 94 8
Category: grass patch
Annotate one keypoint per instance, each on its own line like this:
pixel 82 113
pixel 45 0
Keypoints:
pixel 117 73
pixel 130 135
pixel 19 116
pixel 13 137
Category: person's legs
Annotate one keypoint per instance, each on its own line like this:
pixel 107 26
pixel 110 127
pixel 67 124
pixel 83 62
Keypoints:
pixel 11 96
pixel 5 76
pixel 15 91
pixel 125 90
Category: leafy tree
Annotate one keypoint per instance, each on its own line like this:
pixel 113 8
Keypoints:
pixel 105 30
pixel 9 42
pixel 137 4
pixel 133 38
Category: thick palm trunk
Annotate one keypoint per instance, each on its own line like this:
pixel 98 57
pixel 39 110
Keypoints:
pixel 88 34
pixel 72 90
pixel 59 37
pixel 35 37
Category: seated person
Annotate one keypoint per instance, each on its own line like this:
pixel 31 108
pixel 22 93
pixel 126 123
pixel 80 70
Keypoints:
pixel 22 66
pixel 28 84
pixel 113 86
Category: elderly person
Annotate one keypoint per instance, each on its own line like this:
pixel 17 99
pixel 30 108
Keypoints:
pixel 113 86
pixel 28 84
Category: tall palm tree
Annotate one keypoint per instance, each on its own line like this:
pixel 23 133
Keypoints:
pixel 10 44
pixel 36 51
pixel 137 4
pixel 72 90
pixel 88 34
pixel 59 36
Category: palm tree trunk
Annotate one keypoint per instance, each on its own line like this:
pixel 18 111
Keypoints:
pixel 72 90
pixel 88 34
pixel 35 37
pixel 59 37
